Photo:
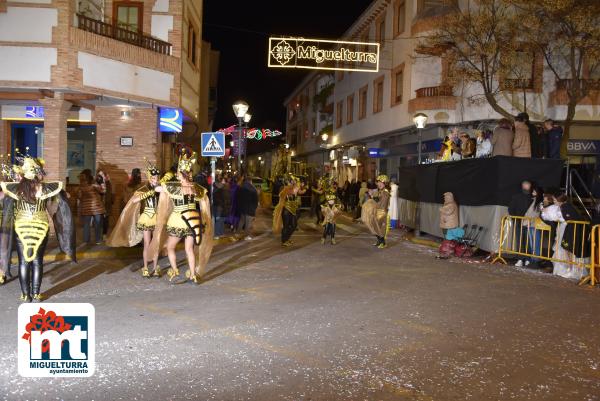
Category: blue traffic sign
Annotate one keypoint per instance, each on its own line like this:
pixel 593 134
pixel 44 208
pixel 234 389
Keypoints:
pixel 213 144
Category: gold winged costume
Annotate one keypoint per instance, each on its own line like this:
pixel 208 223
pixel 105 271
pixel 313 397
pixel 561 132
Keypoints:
pixel 285 218
pixel 134 220
pixel 181 215
pixel 374 213
pixel 29 218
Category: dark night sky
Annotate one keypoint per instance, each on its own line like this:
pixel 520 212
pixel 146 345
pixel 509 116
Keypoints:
pixel 240 31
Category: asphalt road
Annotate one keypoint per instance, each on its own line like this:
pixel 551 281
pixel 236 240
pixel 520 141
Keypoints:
pixel 322 322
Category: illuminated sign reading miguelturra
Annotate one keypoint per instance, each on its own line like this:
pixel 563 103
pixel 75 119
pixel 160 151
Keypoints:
pixel 323 54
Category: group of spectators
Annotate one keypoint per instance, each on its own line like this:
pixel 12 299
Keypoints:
pixel 235 201
pixel 520 138
pixel 548 229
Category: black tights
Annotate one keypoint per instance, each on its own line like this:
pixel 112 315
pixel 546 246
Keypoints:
pixel 31 273
pixel 329 230
pixel 290 222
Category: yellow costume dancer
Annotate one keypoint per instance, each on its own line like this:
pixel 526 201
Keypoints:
pixel 31 200
pixel 375 212
pixel 331 211
pixel 285 219
pixel 132 226
pixel 184 213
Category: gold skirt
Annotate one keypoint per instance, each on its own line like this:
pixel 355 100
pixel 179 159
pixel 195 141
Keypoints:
pixel 176 227
pixel 146 222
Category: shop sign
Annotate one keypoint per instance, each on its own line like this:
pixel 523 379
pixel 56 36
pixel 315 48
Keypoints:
pixel 319 54
pixel 378 152
pixel 583 147
pixel 171 120
pixel 34 112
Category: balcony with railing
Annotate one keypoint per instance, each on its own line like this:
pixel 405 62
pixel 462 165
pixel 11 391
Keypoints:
pixel 123 35
pixel 433 98
pixel 434 91
pixel 102 39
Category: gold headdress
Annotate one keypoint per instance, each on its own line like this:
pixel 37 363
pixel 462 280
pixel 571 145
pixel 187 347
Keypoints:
pixel 186 163
pixel 330 196
pixel 151 169
pixel 383 178
pixel 30 167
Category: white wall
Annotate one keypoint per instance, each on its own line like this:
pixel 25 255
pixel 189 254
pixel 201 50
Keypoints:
pixel 161 25
pixel 26 63
pixel 24 24
pixel 161 6
pixel 104 73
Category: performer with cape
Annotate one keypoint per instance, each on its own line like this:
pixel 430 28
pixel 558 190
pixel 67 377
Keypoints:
pixel 331 211
pixel 132 226
pixel 31 200
pixel 285 219
pixel 375 212
pixel 184 213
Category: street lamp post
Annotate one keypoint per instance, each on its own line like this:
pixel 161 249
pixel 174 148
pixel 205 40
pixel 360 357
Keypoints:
pixel 247 118
pixel 240 108
pixel 420 121
pixel 324 138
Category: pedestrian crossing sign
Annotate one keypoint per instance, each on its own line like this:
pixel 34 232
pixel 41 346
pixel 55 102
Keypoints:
pixel 213 144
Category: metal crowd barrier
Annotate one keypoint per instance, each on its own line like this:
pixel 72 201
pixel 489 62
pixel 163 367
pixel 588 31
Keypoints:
pixel 531 237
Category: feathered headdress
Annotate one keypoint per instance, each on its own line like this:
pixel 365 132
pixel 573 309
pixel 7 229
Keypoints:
pixel 186 163
pixel 27 166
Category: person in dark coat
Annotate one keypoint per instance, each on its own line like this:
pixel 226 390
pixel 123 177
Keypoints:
pixel 554 136
pixel 518 206
pixel 574 240
pixel 247 202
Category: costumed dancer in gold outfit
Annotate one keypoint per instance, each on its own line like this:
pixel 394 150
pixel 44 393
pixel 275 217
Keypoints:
pixel 132 226
pixel 330 210
pixel 285 219
pixel 184 213
pixel 375 211
pixel 31 200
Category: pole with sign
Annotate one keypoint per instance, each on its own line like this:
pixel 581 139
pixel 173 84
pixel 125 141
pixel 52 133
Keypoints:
pixel 213 146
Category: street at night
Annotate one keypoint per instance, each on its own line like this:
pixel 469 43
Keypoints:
pixel 363 200
pixel 322 322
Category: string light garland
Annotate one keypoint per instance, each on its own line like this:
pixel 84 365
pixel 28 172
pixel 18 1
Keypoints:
pixel 253 133
pixel 258 134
